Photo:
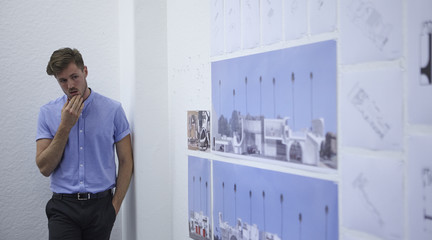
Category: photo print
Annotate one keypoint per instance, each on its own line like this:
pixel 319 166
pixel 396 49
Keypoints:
pixel 252 203
pixel 198 130
pixel 199 198
pixel 278 105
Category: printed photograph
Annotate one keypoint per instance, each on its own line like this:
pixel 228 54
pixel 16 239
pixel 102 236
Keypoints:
pixel 257 204
pixel 198 130
pixel 199 198
pixel 278 105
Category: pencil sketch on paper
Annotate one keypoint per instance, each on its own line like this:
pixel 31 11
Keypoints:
pixel 320 4
pixel 198 130
pixel 370 21
pixel 371 113
pixel 427 199
pixel 293 7
pixel 426 53
pixel 360 183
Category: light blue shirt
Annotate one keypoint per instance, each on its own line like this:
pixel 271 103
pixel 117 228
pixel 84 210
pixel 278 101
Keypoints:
pixel 88 162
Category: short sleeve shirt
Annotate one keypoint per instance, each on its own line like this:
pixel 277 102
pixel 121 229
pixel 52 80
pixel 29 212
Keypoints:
pixel 88 162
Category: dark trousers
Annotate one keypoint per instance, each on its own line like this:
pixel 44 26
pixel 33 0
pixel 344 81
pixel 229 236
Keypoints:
pixel 75 219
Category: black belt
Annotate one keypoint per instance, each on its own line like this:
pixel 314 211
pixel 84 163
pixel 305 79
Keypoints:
pixel 82 196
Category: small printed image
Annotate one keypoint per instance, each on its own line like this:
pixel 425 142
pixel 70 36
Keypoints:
pixel 198 130
pixel 199 198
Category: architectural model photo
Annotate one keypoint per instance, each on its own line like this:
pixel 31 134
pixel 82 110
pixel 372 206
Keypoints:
pixel 198 130
pixel 278 105
pixel 256 204
pixel 199 198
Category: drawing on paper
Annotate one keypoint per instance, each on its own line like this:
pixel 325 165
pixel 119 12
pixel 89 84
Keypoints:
pixel 371 113
pixel 199 192
pixel 279 105
pixel 198 130
pixel 319 4
pixel 369 20
pixel 360 183
pixel 291 207
pixel 294 7
pixel 426 54
pixel 427 199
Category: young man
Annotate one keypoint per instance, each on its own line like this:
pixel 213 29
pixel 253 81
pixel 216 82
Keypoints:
pixel 75 141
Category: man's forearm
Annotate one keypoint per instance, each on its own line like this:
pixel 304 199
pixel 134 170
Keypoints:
pixel 123 180
pixel 125 159
pixel 49 153
pixel 48 158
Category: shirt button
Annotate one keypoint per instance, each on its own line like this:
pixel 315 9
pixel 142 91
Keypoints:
pixel 81 182
pixel 81 165
pixel 81 131
pixel 81 148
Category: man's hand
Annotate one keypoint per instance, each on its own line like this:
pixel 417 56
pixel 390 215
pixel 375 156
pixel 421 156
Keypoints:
pixel 71 111
pixel 49 151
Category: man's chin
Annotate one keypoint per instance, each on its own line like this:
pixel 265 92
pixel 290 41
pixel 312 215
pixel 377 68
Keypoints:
pixel 70 96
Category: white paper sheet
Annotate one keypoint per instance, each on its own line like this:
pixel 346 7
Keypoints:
pixel 370 30
pixel 232 26
pixel 373 196
pixel 349 236
pixel 251 23
pixel 323 15
pixel 371 113
pixel 295 19
pixel 217 27
pixel 420 187
pixel 271 15
pixel 419 60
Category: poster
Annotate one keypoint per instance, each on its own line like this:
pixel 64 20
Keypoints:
pixel 420 187
pixel 373 196
pixel 217 27
pixel 271 21
pixel 370 30
pixel 232 26
pixel 372 114
pixel 198 130
pixel 250 23
pixel 252 203
pixel 278 105
pixel 296 19
pixel 199 188
pixel 323 15
pixel 419 62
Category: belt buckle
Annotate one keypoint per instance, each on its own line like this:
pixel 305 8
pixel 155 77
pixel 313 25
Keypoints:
pixel 83 196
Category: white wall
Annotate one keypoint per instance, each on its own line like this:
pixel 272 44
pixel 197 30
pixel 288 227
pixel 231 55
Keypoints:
pixel 30 31
pixel 149 210
pixel 189 89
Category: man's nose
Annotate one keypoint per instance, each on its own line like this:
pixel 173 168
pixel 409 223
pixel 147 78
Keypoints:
pixel 70 83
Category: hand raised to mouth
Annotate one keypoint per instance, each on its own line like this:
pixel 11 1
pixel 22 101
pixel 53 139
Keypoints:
pixel 71 111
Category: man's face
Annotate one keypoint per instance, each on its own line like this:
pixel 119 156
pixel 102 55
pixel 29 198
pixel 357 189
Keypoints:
pixel 73 81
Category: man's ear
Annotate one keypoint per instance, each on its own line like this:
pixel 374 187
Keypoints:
pixel 85 71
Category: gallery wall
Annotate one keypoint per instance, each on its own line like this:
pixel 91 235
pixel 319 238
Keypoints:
pixel 383 118
pixel 30 32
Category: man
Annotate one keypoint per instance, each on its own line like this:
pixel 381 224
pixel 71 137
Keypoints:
pixel 75 141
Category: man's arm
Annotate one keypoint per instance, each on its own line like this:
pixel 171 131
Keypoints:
pixel 49 151
pixel 125 169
